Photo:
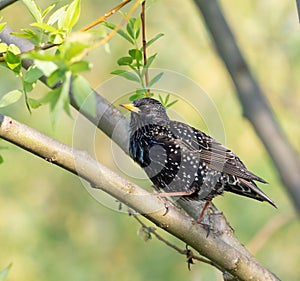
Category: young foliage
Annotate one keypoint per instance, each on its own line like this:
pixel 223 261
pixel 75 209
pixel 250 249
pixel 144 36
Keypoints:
pixel 165 101
pixel 51 27
pixel 2 24
pixel 134 59
pixel 62 67
pixel 10 98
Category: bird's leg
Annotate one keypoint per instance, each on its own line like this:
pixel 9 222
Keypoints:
pixel 172 194
pixel 200 218
pixel 206 205
pixel 163 195
pixel 167 203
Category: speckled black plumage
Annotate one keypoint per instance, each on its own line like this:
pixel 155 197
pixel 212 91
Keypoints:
pixel 180 158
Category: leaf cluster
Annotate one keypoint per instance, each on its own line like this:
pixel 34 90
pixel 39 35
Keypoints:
pixel 134 60
pixel 50 26
pixel 60 67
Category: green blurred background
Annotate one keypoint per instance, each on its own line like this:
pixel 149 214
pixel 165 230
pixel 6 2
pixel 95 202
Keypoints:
pixel 51 228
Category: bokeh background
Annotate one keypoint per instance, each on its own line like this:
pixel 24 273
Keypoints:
pixel 51 228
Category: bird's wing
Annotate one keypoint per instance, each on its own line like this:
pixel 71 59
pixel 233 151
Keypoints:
pixel 214 154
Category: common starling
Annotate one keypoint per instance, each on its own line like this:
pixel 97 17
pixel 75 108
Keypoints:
pixel 183 161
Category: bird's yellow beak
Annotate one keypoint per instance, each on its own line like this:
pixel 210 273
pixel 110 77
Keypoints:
pixel 130 107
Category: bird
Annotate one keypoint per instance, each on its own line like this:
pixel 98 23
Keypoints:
pixel 183 161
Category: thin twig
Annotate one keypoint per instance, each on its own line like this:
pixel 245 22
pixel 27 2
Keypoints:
pixel 144 42
pixel 102 41
pixel 94 23
pixel 188 253
pixel 112 33
pixel 105 16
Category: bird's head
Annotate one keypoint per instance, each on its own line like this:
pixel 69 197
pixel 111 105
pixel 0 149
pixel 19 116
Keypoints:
pixel 146 111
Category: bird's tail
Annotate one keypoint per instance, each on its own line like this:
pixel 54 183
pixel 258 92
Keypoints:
pixel 249 189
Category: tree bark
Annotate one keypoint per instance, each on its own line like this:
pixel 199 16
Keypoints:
pixel 220 246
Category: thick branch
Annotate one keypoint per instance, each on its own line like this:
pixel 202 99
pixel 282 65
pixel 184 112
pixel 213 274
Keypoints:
pixel 6 3
pixel 108 118
pixel 255 106
pixel 214 247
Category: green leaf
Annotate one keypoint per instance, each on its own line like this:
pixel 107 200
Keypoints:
pixel 127 74
pixel 41 56
pixel 10 98
pixel 79 66
pixel 33 103
pixel 12 58
pixel 44 26
pixel 156 37
pixel 136 54
pixel 161 99
pixel 3 47
pixel 155 79
pixel 50 96
pixel 72 15
pixel 171 103
pixel 1 161
pixel 62 101
pixel 137 27
pixel 14 49
pixel 66 106
pixel 120 31
pixel 28 87
pixel 13 62
pixel 58 14
pixel 56 77
pixel 47 10
pixel 53 97
pixel 73 49
pixel 130 27
pixel 58 99
pixel 150 60
pixel 33 74
pixel 147 65
pixel 28 34
pixel 2 25
pixel 167 98
pixel 47 67
pixel 165 102
pixel 34 10
pixel 84 95
pixel 57 38
pixel 124 61
pixel 139 93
